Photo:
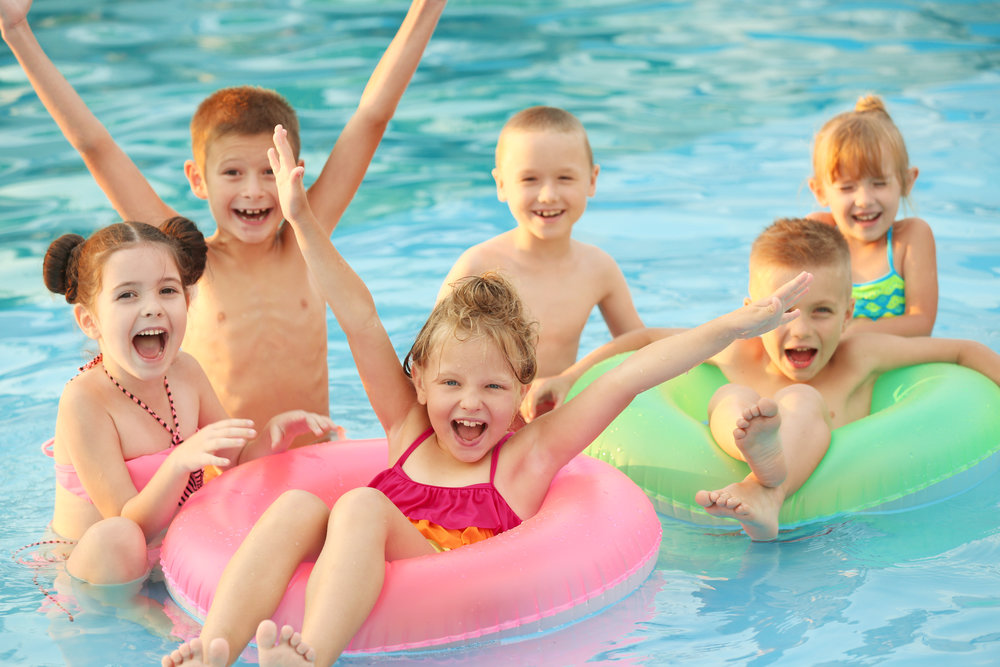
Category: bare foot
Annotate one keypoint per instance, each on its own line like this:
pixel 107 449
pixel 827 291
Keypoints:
pixel 289 651
pixel 756 436
pixel 190 655
pixel 755 506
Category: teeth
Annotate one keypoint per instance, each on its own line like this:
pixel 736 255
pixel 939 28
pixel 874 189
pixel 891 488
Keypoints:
pixel 152 332
pixel 548 214
pixel 866 218
pixel 252 212
pixel 468 422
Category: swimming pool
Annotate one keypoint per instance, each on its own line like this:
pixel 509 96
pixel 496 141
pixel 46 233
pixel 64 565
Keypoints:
pixel 700 114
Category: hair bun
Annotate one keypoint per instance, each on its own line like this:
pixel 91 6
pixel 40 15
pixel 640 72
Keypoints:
pixel 59 266
pixel 192 243
pixel 870 103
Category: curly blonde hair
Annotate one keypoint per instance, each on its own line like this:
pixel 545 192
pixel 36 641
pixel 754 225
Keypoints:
pixel 486 305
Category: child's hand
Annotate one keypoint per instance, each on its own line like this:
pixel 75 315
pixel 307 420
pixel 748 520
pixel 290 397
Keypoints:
pixel 545 395
pixel 287 176
pixel 761 316
pixel 284 428
pixel 198 451
pixel 13 12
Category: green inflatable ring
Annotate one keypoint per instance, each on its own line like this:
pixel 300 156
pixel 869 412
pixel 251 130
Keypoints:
pixel 933 431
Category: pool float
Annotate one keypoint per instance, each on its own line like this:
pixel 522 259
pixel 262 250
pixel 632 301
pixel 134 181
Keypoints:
pixel 933 431
pixel 594 540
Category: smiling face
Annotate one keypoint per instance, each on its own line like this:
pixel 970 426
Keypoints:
pixel 471 395
pixel 237 181
pixel 545 176
pixel 801 349
pixel 864 206
pixel 140 314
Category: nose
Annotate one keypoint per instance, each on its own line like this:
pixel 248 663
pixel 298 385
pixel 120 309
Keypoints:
pixel 470 400
pixel 862 195
pixel 252 185
pixel 547 193
pixel 151 307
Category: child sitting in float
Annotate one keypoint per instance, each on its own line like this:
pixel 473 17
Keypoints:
pixel 139 423
pixel 447 413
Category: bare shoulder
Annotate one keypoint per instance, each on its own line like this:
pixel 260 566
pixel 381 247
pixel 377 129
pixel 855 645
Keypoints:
pixel 912 231
pixel 594 257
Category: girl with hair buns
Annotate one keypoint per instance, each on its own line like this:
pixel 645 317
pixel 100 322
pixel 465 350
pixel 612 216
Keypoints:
pixel 861 171
pixel 139 423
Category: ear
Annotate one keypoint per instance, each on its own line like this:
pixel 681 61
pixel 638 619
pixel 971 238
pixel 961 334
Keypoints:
pixel 593 180
pixel 196 179
pixel 86 321
pixel 499 181
pixel 848 315
pixel 417 375
pixel 818 192
pixel 911 178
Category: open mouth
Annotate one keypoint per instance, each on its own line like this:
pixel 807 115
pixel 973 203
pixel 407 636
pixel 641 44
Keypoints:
pixel 252 214
pixel 149 344
pixel 800 357
pixel 468 430
pixel 868 218
pixel 549 214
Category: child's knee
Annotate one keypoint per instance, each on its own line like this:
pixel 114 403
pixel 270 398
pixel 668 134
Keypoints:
pixel 299 505
pixel 112 551
pixel 799 398
pixel 362 504
pixel 732 394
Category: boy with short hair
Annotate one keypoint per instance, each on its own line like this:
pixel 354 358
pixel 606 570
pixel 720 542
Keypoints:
pixel 258 323
pixel 790 387
pixel 545 172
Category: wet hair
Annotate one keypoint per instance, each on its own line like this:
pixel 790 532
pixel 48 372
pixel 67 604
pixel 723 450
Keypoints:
pixel 241 110
pixel 800 244
pixel 855 144
pixel 488 306
pixel 544 119
pixel 73 266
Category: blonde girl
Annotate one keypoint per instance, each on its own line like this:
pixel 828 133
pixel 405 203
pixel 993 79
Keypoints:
pixel 139 423
pixel 861 171
pixel 458 474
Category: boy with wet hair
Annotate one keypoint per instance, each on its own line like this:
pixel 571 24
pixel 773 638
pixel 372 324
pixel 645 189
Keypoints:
pixel 258 323
pixel 790 387
pixel 545 172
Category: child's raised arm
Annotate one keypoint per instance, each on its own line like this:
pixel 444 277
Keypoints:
pixel 351 155
pixel 124 185
pixel 389 389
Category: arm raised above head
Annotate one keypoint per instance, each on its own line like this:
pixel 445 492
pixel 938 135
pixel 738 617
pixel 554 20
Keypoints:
pixel 389 389
pixel 124 185
pixel 344 170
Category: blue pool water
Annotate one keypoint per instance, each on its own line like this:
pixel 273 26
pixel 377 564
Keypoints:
pixel 700 114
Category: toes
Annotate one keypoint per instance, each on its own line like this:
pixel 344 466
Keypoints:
pixel 267 634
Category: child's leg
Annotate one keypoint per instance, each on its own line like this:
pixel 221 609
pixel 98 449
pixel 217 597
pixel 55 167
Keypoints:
pixel 112 551
pixel 797 419
pixel 365 531
pixel 291 530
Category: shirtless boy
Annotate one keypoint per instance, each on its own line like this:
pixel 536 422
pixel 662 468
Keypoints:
pixel 545 172
pixel 258 323
pixel 792 386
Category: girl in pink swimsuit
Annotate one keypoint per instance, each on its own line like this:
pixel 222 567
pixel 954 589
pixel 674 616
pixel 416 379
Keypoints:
pixel 139 423
pixel 457 474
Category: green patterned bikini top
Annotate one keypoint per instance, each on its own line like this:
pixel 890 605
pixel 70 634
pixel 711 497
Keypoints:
pixel 882 297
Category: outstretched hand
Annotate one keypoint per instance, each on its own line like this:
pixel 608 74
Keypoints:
pixel 768 313
pixel 544 395
pixel 285 427
pixel 199 450
pixel 288 176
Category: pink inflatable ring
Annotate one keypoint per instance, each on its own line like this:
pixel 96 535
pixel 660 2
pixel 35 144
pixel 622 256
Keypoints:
pixel 594 540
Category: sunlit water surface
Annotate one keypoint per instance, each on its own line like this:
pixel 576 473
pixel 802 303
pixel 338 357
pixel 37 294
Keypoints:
pixel 700 114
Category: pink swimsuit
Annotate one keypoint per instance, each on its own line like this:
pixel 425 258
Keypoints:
pixel 141 469
pixel 452 508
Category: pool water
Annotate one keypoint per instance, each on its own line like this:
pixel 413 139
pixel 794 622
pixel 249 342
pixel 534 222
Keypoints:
pixel 700 114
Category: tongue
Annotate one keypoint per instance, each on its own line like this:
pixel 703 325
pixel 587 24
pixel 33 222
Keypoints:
pixel 800 358
pixel 468 432
pixel 148 347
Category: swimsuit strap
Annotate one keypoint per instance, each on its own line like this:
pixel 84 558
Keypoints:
pixel 196 478
pixel 175 433
pixel 496 455
pixel 888 250
pixel 409 450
